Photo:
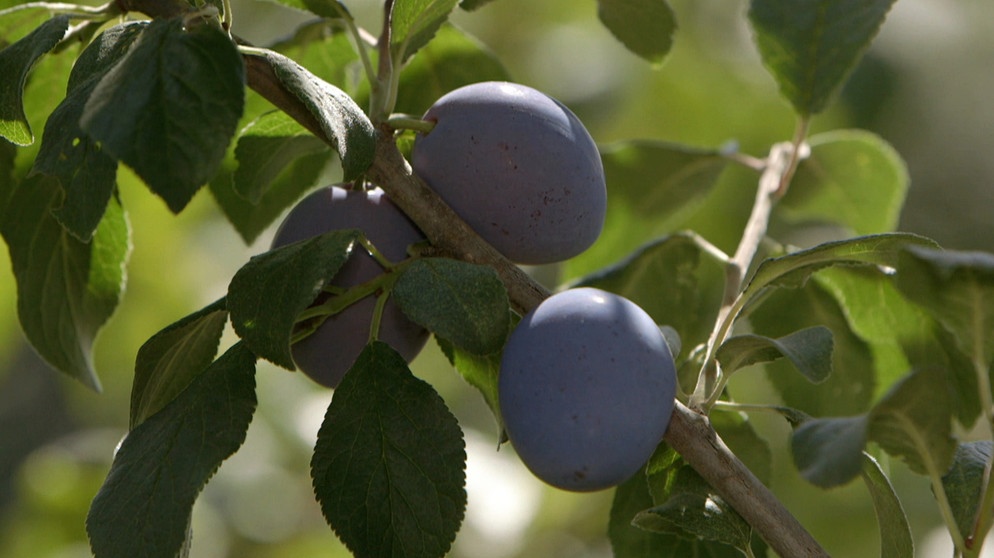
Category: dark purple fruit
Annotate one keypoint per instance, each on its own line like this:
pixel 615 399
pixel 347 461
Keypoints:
pixel 586 389
pixel 516 165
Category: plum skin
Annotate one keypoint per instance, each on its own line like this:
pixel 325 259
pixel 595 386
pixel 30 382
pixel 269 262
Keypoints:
pixel 586 389
pixel 328 353
pixel 518 166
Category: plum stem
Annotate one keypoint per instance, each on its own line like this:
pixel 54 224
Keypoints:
pixel 408 122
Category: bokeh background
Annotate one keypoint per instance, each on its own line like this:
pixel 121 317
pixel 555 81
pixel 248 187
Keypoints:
pixel 925 86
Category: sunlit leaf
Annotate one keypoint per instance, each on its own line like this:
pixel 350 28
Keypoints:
pixel 852 178
pixel 414 23
pixel 388 465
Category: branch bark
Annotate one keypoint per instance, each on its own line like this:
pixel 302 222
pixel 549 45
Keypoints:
pixel 689 433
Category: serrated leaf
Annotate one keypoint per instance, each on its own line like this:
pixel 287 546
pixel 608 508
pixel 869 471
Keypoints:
pixel 267 293
pixel 678 266
pixel 895 533
pixel 811 46
pixel 452 59
pixel 461 302
pixel 388 465
pixel 66 289
pixel 344 124
pixel 810 350
pixel 850 387
pixel 964 482
pixel 16 62
pixel 828 452
pixel 145 504
pixel 88 175
pixel 173 357
pixel 794 269
pixel 853 178
pixel 914 422
pixel 479 371
pixel 414 23
pixel 958 289
pixel 645 27
pixel 169 109
pixel 653 185
pixel 266 147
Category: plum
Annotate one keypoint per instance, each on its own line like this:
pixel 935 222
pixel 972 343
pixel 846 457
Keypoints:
pixel 328 353
pixel 518 166
pixel 586 389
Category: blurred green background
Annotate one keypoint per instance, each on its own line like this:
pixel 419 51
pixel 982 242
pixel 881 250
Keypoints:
pixel 925 86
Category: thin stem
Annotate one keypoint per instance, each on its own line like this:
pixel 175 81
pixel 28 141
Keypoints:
pixel 73 10
pixel 360 41
pixel 384 262
pixel 374 324
pixel 408 122
pixel 380 105
pixel 228 18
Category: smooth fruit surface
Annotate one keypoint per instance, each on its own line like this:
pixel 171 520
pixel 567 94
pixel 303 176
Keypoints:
pixel 328 353
pixel 518 166
pixel 586 389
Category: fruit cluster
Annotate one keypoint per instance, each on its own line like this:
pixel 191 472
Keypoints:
pixel 587 381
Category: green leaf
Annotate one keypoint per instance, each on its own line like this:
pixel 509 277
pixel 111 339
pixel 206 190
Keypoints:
pixel 344 124
pixel 829 452
pixel 251 219
pixel 794 269
pixel 16 62
pixel 266 147
pixel 895 533
pixel 479 371
pixel 169 109
pixel 172 358
pixel 66 289
pixel 654 185
pixel 470 5
pixel 687 506
pixel 413 23
pixel 461 302
pixel 388 465
pixel 267 293
pixel 645 27
pixel 452 59
pixel 958 289
pixel 810 350
pixel 88 175
pixel 901 334
pixel 811 46
pixel 145 504
pixel 964 482
pixel 853 178
pixel 323 8
pixel 678 266
pixel 737 432
pixel 914 422
pixel 850 387
pixel 627 540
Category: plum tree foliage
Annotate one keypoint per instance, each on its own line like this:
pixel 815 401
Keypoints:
pixel 518 166
pixel 586 386
pixel 875 342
